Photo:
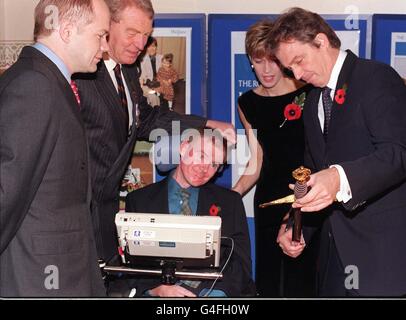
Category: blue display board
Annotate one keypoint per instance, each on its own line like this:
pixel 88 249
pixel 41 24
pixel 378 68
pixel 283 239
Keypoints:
pixel 389 41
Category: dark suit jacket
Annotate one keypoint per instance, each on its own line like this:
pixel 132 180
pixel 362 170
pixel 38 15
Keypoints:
pixel 110 146
pixel 45 193
pixel 237 275
pixel 367 137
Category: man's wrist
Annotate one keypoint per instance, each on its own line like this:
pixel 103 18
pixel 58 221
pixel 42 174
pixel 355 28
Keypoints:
pixel 344 193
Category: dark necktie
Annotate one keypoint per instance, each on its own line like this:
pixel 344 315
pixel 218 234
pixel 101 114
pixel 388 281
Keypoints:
pixel 153 65
pixel 121 90
pixel 75 91
pixel 185 209
pixel 327 106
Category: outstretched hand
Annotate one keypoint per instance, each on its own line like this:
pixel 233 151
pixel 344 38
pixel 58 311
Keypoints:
pixel 226 129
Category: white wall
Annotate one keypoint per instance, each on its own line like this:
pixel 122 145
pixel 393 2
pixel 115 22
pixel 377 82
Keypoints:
pixel 18 17
pixel 17 21
pixel 276 6
pixel 2 20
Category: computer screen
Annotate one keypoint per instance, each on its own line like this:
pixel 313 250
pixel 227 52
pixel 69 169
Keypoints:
pixel 149 238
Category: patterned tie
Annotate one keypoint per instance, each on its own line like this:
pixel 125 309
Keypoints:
pixel 185 209
pixel 75 91
pixel 327 106
pixel 121 90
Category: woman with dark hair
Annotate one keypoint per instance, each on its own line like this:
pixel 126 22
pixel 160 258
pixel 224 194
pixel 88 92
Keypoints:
pixel 274 110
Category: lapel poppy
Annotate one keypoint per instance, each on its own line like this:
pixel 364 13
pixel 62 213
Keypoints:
pixel 293 111
pixel 214 210
pixel 340 94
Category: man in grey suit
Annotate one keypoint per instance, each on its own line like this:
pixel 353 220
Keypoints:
pixel 116 114
pixel 47 247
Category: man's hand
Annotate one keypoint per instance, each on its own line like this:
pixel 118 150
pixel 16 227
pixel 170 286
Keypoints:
pixel 171 291
pixel 324 187
pixel 291 248
pixel 226 129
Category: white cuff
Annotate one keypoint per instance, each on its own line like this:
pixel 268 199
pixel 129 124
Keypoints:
pixel 344 194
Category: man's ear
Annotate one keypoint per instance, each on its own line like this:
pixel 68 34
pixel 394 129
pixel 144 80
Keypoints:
pixel 66 31
pixel 321 40
pixel 183 148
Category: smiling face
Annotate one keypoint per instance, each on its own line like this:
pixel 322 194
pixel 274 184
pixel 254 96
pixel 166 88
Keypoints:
pixel 308 62
pixel 200 160
pixel 129 35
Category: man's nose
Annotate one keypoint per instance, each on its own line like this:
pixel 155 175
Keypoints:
pixel 298 72
pixel 140 41
pixel 104 45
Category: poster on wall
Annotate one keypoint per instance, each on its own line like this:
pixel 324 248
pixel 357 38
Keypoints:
pixel 398 53
pixel 389 41
pixel 172 69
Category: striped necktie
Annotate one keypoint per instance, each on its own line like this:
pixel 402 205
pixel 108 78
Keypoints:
pixel 121 90
pixel 75 91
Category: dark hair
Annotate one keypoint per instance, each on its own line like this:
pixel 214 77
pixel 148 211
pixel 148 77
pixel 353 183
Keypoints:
pixel 74 11
pixel 168 57
pixel 118 6
pixel 301 25
pixel 256 39
pixel 151 41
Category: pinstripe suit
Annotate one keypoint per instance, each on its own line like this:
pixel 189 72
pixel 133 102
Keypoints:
pixel 111 147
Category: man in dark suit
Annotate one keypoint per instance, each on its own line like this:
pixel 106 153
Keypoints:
pixel 200 157
pixel 356 141
pixel 47 247
pixel 116 114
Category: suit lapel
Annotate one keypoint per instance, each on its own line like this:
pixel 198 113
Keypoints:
pixel 158 201
pixel 130 72
pixel 30 52
pixel 106 88
pixel 338 110
pixel 206 199
pixel 312 123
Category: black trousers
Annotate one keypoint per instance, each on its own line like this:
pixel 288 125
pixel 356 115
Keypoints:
pixel 331 277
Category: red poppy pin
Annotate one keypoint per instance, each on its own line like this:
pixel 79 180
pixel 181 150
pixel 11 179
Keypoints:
pixel 293 111
pixel 214 210
pixel 340 94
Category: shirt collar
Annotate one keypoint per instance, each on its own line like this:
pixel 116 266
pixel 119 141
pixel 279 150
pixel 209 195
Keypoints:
pixel 332 83
pixel 110 64
pixel 55 59
pixel 175 186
